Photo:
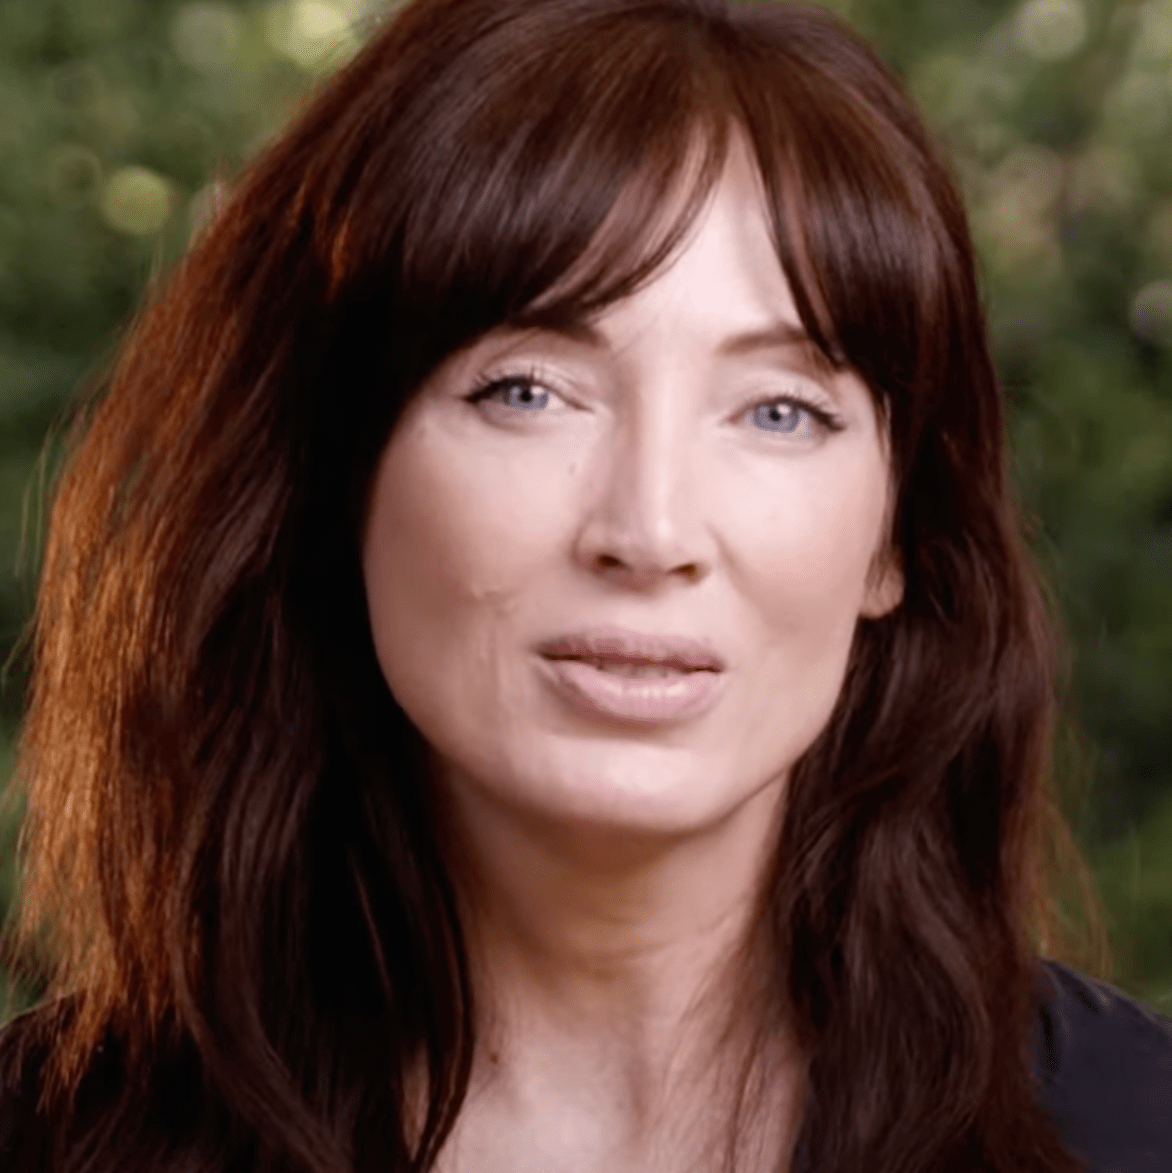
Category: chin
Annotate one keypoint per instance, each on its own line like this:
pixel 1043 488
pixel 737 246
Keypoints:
pixel 621 787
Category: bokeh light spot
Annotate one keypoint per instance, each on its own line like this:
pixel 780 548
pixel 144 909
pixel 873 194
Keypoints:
pixel 1051 29
pixel 1019 211
pixel 206 205
pixel 314 34
pixel 1151 313
pixel 136 201
pixel 206 36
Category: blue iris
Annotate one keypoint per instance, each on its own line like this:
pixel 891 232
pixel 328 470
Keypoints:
pixel 520 395
pixel 778 417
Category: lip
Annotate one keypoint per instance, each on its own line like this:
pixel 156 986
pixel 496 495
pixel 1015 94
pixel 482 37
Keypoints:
pixel 586 670
pixel 620 645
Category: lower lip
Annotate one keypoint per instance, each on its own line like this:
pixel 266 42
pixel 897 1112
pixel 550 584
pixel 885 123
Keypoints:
pixel 647 700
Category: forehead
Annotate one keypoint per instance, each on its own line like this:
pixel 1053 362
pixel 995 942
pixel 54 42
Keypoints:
pixel 722 286
pixel 711 226
pixel 728 258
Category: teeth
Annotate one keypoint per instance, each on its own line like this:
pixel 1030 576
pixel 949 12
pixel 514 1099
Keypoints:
pixel 635 671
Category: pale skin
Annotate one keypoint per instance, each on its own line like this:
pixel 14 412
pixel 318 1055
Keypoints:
pixel 685 467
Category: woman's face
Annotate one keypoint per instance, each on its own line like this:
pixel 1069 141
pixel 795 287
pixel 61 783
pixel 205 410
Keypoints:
pixel 613 575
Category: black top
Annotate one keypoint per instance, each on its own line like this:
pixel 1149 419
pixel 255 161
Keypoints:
pixel 1104 1076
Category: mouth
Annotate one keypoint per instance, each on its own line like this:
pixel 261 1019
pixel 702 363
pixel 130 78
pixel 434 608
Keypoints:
pixel 634 654
pixel 634 678
pixel 631 669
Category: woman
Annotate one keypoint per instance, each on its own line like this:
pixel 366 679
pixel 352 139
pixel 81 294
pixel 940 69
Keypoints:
pixel 535 667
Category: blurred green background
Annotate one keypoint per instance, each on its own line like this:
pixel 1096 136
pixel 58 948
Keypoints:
pixel 120 119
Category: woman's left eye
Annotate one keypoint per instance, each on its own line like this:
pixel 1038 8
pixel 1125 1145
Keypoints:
pixel 791 417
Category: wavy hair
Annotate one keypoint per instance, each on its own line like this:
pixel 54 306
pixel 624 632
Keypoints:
pixel 232 869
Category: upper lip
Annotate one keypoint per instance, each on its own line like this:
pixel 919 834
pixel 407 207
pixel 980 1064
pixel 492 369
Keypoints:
pixel 617 645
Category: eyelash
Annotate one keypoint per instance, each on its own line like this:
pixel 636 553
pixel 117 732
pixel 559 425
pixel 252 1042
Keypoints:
pixel 487 386
pixel 820 415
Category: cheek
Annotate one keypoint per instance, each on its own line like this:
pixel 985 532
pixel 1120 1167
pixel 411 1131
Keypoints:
pixel 804 541
pixel 801 549
pixel 453 543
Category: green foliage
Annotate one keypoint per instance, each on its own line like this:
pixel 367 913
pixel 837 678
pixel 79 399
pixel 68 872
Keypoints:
pixel 14 997
pixel 1058 114
pixel 1135 874
pixel 118 118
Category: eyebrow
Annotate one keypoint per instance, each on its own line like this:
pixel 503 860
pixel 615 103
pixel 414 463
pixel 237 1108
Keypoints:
pixel 778 336
pixel 783 334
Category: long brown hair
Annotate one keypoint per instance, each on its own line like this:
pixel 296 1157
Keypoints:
pixel 230 855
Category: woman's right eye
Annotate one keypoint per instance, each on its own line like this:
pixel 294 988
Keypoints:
pixel 518 394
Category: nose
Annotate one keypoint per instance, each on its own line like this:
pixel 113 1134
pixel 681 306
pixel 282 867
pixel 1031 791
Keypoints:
pixel 645 526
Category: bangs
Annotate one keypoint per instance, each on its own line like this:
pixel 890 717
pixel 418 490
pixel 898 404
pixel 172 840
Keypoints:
pixel 869 230
pixel 549 175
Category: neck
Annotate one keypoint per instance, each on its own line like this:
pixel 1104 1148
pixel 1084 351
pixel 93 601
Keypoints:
pixel 615 966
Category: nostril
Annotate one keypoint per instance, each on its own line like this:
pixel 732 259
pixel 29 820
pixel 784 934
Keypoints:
pixel 691 571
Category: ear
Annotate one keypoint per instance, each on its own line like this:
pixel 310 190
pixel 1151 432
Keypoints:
pixel 884 589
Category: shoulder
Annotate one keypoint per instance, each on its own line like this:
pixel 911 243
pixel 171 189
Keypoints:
pixel 1105 1073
